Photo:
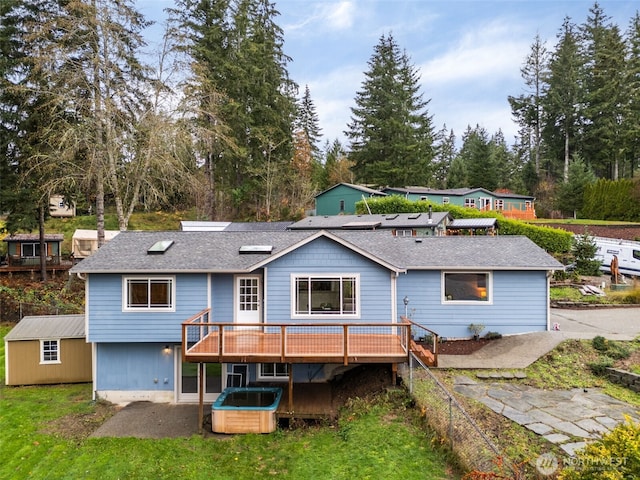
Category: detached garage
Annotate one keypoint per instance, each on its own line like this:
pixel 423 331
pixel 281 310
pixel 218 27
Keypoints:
pixel 48 349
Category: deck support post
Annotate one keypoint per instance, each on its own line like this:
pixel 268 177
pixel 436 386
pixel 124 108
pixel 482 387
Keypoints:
pixel 200 396
pixel 290 399
pixel 394 374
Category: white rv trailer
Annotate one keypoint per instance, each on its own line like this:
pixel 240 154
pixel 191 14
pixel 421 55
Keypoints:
pixel 628 253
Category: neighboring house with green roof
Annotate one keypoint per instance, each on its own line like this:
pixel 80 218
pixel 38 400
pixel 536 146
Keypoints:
pixel 511 205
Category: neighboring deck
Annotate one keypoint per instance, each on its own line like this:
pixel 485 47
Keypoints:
pixel 345 343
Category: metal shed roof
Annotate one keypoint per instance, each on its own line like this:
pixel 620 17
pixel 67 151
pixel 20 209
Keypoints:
pixel 44 327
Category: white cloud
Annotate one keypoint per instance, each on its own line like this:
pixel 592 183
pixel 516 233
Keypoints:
pixel 340 15
pixel 485 54
pixel 321 16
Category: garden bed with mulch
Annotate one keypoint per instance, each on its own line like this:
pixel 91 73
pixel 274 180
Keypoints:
pixel 457 347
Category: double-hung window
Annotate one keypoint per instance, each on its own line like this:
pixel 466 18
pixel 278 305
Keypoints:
pixel 325 295
pixel 153 293
pixel 467 287
pixel 49 351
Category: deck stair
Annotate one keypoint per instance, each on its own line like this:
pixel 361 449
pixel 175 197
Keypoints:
pixel 426 356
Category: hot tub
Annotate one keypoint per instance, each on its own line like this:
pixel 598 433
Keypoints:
pixel 246 410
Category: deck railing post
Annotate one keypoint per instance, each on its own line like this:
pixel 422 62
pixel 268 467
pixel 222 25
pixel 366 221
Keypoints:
pixel 283 333
pixel 345 334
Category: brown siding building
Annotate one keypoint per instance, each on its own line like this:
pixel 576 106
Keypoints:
pixel 48 349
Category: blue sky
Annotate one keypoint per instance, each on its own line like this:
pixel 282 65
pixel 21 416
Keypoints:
pixel 467 52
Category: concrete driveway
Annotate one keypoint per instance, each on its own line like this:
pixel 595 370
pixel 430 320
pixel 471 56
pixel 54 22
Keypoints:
pixel 619 323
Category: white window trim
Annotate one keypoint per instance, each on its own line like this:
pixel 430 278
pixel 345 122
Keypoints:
pixel 295 276
pixel 445 200
pixel 125 296
pixel 470 203
pixel 489 300
pixel 272 378
pixel 404 232
pixel 50 362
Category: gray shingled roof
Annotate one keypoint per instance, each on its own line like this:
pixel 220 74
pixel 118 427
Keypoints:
pixel 47 327
pixel 377 220
pixel 34 237
pixel 219 251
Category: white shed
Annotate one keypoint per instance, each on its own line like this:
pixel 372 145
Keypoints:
pixel 85 242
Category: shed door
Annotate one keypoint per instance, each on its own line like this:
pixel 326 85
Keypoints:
pixel 248 299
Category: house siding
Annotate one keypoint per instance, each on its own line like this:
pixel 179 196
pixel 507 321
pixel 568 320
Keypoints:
pixel 326 256
pixel 139 367
pixel 108 323
pixel 510 311
pixel 328 203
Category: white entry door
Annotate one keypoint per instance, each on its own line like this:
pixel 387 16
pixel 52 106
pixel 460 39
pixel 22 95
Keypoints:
pixel 248 299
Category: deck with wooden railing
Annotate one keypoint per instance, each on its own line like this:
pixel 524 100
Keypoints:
pixel 313 342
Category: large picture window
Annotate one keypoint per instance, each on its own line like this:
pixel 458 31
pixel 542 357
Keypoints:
pixel 49 351
pixel 149 293
pixel 325 295
pixel 466 287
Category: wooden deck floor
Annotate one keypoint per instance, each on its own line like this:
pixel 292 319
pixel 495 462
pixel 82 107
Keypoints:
pixel 254 346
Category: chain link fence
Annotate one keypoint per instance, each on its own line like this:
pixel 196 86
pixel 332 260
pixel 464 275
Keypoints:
pixel 12 311
pixel 473 448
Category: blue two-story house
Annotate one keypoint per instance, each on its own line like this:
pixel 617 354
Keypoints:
pixel 176 316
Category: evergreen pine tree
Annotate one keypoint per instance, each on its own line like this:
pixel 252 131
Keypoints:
pixel 390 130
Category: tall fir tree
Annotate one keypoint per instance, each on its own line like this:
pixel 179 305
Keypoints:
pixel 528 107
pixel 390 131
pixel 482 172
pixel 562 101
pixel 631 129
pixel 604 93
pixel 238 50
pixel 307 121
pixel 445 153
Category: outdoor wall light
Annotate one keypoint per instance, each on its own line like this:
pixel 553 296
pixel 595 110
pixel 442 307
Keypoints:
pixel 166 350
pixel 406 304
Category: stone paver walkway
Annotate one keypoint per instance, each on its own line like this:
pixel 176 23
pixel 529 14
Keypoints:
pixel 568 418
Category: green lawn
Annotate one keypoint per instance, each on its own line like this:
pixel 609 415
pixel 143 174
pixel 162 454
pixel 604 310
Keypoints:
pixel 374 440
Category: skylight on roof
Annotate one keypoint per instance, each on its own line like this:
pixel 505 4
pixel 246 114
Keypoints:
pixel 256 249
pixel 160 247
pixel 414 216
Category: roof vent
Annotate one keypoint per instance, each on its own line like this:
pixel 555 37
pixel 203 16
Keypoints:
pixel 244 249
pixel 418 240
pixel 160 247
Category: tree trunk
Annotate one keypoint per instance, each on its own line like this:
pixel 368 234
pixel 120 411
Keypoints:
pixel 100 210
pixel 43 245
pixel 565 174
